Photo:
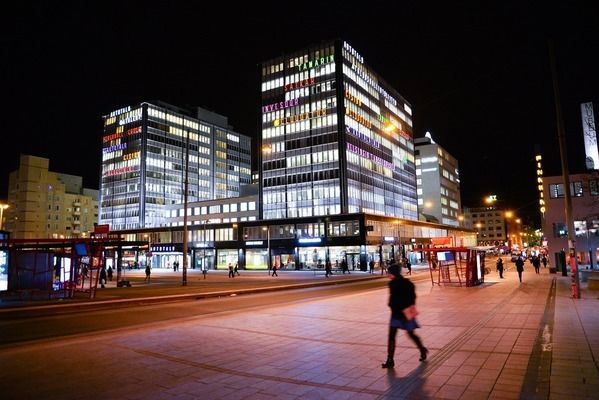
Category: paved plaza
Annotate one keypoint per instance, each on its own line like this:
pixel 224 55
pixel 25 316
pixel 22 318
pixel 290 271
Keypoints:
pixel 500 340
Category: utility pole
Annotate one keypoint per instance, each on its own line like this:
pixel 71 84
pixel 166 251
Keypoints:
pixel 575 286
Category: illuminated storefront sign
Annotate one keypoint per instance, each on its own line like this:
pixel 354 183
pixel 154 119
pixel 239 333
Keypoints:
pixel 590 136
pixel 353 52
pixel 128 120
pixel 539 159
pixel 280 105
pixel 375 159
pixel 116 147
pixel 317 62
pixel 118 171
pixel 362 137
pixel 310 240
pixel 353 98
pixel 120 111
pixel 361 119
pixel 134 130
pixel 131 156
pixel 300 84
pixel 254 243
pixel 372 81
pixel 114 136
pixel 300 117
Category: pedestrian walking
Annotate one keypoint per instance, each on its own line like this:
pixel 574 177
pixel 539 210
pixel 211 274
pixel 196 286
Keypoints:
pixel 231 271
pixel 344 267
pixel 148 272
pixel 536 262
pixel 408 265
pixel 236 270
pixel 204 272
pixel 109 271
pixel 519 267
pixel 402 301
pixel 500 267
pixel 328 270
pixel 103 276
pixel 371 266
pixel 544 261
pixel 274 270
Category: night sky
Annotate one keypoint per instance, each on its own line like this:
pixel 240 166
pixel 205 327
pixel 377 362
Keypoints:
pixel 478 77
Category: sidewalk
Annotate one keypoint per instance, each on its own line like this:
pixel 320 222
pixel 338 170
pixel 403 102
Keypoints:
pixel 500 340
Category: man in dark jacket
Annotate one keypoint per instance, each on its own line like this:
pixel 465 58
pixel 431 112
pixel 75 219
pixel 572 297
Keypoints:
pixel 500 267
pixel 520 267
pixel 402 295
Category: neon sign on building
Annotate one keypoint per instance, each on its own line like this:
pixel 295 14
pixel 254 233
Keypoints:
pixel 300 84
pixel 317 62
pixel 280 105
pixel 375 159
pixel 300 117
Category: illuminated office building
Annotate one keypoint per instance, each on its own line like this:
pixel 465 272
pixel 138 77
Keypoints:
pixel 438 182
pixel 336 138
pixel 148 150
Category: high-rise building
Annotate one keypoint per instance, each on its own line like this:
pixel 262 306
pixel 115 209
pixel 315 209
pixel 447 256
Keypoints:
pixel 336 138
pixel 438 182
pixel 46 204
pixel 149 151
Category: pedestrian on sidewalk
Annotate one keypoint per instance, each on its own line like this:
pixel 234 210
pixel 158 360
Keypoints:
pixel 109 273
pixel 520 267
pixel 236 270
pixel 274 270
pixel 103 277
pixel 328 270
pixel 231 271
pixel 204 272
pixel 148 272
pixel 408 265
pixel 544 261
pixel 536 262
pixel 500 267
pixel 402 301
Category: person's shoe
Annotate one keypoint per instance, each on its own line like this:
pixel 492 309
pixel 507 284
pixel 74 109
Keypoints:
pixel 388 364
pixel 423 354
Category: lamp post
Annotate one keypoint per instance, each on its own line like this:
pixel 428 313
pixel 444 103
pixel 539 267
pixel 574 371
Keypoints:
pixel 2 208
pixel 265 228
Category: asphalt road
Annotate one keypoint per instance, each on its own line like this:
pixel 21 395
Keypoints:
pixel 59 322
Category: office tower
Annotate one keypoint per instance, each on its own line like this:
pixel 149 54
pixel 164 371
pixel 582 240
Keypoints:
pixel 438 182
pixel 150 149
pixel 335 137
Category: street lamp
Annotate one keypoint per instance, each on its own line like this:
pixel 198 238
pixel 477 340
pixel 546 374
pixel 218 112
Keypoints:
pixel 265 228
pixel 2 208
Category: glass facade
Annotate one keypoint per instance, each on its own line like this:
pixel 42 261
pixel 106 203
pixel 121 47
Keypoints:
pixel 336 139
pixel 147 152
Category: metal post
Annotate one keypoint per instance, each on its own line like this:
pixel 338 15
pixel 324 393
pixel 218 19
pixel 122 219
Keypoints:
pixel 186 182
pixel 566 177
pixel 268 246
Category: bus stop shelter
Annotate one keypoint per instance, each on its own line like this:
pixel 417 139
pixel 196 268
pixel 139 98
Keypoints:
pixel 460 266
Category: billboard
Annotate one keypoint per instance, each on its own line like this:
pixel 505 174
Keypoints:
pixel 590 136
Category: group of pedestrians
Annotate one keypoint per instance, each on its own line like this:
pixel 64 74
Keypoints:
pixel 536 262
